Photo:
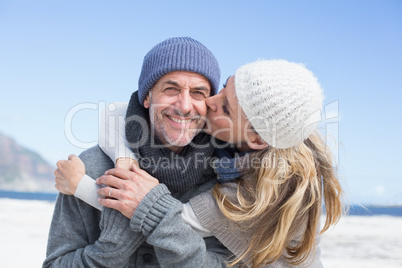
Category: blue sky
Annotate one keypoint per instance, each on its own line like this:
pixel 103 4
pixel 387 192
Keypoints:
pixel 59 56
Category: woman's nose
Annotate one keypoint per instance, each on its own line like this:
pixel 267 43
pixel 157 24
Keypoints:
pixel 211 103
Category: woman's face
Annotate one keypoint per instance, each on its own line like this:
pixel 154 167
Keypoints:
pixel 225 118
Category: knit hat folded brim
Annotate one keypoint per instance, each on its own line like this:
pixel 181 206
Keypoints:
pixel 178 54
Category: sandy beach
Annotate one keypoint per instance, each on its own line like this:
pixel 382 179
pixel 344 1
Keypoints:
pixel 357 241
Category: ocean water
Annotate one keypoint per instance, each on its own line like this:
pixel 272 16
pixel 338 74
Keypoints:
pixel 28 195
pixel 356 210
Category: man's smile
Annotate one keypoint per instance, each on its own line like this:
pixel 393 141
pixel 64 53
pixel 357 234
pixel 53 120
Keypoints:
pixel 180 121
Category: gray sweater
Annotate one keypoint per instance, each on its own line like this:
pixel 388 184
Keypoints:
pixel 237 239
pixel 156 236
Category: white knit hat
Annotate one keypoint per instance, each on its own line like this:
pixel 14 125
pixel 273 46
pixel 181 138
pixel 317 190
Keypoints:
pixel 282 100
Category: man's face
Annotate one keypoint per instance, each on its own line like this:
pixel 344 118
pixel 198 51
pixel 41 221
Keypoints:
pixel 177 108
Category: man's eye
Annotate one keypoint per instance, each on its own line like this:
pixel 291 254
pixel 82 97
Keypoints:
pixel 171 90
pixel 198 95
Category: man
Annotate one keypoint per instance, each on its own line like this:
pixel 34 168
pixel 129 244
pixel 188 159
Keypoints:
pixel 177 75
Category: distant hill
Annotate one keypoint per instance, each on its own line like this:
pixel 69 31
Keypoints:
pixel 22 169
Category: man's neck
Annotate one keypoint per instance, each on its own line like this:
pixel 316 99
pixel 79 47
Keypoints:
pixel 176 149
pixel 173 148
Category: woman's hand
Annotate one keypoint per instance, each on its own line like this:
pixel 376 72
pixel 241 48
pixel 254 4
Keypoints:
pixel 68 174
pixel 125 189
pixel 125 163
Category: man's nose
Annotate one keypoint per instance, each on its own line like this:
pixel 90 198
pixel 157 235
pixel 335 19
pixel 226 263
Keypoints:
pixel 185 103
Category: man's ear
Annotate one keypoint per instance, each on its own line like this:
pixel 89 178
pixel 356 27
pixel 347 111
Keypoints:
pixel 146 101
pixel 256 143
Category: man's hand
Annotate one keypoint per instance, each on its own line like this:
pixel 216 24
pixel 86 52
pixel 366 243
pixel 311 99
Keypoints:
pixel 125 189
pixel 68 174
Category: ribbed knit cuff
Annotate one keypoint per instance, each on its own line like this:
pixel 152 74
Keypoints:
pixel 115 227
pixel 152 209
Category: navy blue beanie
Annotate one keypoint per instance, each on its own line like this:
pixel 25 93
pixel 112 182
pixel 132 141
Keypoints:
pixel 177 54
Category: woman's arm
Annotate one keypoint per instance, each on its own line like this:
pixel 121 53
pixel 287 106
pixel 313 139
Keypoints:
pixel 112 138
pixel 237 238
pixel 72 180
pixel 70 174
pixel 87 190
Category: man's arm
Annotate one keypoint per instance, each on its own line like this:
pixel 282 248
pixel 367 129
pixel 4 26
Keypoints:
pixel 176 244
pixel 74 242
pixel 156 214
pixel 75 238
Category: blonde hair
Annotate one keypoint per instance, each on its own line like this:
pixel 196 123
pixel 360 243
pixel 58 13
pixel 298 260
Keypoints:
pixel 280 194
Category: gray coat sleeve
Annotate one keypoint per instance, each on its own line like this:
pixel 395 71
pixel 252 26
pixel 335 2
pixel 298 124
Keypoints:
pixel 74 242
pixel 82 236
pixel 75 238
pixel 176 244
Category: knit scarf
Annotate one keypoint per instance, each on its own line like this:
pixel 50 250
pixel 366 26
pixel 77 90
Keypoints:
pixel 179 172
pixel 229 164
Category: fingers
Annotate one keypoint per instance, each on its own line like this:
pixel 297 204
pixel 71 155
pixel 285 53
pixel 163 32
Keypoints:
pixel 62 187
pixel 121 203
pixel 135 167
pixel 109 192
pixel 58 173
pixel 120 172
pixel 142 173
pixel 60 163
pixel 134 162
pixel 57 187
pixel 76 160
pixel 110 203
pixel 112 181
pixel 72 157
pixel 57 180
pixel 124 162
pixel 139 171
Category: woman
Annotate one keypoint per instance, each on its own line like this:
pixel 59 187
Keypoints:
pixel 270 216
